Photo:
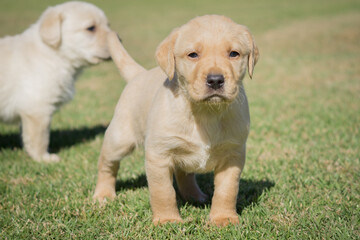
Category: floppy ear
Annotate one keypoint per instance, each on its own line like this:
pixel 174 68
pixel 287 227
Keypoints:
pixel 165 54
pixel 50 27
pixel 253 55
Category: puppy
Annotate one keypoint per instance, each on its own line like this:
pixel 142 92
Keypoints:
pixel 38 68
pixel 191 113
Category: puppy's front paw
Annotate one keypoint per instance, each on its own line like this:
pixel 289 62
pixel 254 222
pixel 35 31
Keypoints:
pixel 50 158
pixel 223 220
pixel 164 220
pixel 103 195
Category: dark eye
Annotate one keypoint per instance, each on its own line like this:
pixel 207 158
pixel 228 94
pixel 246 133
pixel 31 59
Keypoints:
pixel 234 54
pixel 91 29
pixel 193 55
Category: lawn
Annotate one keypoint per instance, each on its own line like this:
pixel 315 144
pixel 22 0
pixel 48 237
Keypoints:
pixel 302 175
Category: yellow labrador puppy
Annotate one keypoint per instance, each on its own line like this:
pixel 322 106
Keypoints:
pixel 192 114
pixel 38 68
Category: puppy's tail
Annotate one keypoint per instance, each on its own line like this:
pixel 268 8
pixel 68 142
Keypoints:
pixel 127 66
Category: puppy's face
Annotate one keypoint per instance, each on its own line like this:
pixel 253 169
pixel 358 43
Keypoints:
pixel 209 55
pixel 77 30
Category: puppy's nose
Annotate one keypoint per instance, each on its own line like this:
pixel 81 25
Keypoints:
pixel 215 81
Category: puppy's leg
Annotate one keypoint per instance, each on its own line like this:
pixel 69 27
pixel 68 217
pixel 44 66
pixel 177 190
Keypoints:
pixel 36 136
pixel 162 192
pixel 105 186
pixel 188 187
pixel 118 143
pixel 223 208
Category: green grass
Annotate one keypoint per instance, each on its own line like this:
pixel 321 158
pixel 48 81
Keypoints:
pixel 302 175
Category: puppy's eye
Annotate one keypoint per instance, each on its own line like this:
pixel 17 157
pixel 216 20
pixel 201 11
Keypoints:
pixel 91 28
pixel 234 54
pixel 193 55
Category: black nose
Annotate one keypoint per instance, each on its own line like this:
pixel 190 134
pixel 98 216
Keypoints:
pixel 215 81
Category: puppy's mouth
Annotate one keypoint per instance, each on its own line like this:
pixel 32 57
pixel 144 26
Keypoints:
pixel 215 98
pixel 105 58
pixel 99 59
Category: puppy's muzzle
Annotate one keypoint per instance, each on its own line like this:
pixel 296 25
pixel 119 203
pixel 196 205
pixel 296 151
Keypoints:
pixel 215 81
pixel 107 58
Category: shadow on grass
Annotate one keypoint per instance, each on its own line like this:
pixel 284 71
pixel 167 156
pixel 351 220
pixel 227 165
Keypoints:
pixel 250 190
pixel 132 183
pixel 58 138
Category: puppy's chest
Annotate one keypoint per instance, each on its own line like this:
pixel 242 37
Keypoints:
pixel 201 152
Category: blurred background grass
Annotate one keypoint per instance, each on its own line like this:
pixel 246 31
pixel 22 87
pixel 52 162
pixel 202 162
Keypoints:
pixel 301 179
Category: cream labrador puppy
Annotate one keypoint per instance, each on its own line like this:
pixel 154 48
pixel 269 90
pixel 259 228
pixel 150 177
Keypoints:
pixel 191 113
pixel 38 68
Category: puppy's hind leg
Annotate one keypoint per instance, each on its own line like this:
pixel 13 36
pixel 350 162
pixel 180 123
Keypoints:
pixel 188 187
pixel 118 143
pixel 36 136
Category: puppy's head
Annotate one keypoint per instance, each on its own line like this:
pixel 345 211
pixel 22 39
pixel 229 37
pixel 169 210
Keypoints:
pixel 209 55
pixel 77 30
